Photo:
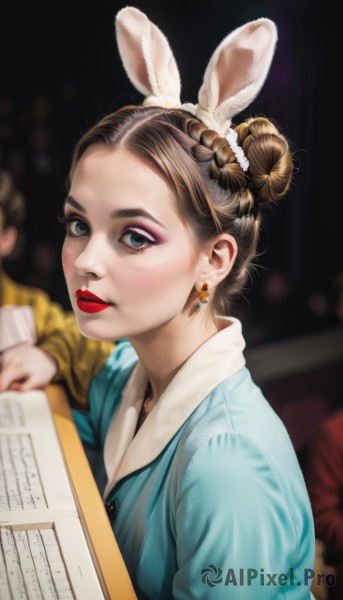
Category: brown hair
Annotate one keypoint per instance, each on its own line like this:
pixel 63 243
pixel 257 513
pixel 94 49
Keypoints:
pixel 12 201
pixel 213 192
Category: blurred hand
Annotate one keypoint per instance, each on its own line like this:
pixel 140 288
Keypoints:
pixel 26 367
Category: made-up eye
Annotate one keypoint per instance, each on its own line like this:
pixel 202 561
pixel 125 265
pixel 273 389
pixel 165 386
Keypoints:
pixel 136 239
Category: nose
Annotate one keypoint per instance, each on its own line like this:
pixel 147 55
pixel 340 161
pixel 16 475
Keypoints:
pixel 92 260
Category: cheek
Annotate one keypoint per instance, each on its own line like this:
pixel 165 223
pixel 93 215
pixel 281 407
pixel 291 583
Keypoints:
pixel 68 260
pixel 164 273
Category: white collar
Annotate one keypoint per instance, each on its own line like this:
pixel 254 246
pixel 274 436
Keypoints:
pixel 217 359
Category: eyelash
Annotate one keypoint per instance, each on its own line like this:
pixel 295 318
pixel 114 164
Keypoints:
pixel 69 219
pixel 137 231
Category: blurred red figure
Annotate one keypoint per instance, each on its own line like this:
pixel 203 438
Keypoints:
pixel 325 486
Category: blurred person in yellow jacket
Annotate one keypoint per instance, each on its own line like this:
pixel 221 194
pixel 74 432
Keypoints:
pixel 60 353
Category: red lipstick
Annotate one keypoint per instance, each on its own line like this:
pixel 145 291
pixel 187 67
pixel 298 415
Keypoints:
pixel 90 303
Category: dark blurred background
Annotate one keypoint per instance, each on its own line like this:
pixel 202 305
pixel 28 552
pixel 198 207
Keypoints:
pixel 60 71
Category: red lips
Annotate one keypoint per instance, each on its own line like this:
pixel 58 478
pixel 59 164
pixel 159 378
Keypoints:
pixel 89 303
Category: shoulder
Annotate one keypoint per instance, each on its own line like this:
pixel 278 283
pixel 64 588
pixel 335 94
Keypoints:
pixel 234 473
pixel 234 439
pixel 231 479
pixel 231 458
pixel 237 406
pixel 19 294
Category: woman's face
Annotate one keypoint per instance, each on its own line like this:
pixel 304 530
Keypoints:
pixel 126 245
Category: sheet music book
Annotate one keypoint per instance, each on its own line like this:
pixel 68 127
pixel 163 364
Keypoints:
pixel 45 550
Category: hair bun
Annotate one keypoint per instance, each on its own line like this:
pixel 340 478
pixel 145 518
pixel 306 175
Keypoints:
pixel 270 158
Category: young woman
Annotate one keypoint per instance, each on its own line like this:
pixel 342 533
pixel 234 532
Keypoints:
pixel 203 489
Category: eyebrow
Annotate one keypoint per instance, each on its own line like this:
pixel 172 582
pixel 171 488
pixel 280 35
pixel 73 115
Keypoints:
pixel 122 213
pixel 70 200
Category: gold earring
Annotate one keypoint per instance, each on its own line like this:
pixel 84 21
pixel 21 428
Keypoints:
pixel 204 296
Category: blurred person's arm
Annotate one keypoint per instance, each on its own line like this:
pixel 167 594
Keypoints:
pixel 62 353
pixel 79 359
pixel 25 367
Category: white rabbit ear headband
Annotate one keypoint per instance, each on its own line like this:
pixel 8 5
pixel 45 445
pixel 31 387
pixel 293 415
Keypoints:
pixel 233 77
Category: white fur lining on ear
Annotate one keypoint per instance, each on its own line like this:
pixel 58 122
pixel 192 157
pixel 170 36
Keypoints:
pixel 234 75
pixel 147 58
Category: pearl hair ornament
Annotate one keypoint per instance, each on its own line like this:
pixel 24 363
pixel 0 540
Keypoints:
pixel 242 160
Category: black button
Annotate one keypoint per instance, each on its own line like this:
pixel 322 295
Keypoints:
pixel 111 508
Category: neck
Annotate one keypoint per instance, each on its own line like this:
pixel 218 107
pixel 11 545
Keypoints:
pixel 164 351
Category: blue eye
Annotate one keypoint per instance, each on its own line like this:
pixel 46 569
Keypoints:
pixel 136 240
pixel 77 228
pixel 74 225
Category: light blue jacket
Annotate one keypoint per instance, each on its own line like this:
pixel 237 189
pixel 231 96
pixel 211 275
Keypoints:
pixel 209 500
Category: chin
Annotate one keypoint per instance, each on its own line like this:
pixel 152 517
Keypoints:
pixel 94 330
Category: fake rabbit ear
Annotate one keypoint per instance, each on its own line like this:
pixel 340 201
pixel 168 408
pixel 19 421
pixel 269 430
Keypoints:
pixel 147 58
pixel 235 74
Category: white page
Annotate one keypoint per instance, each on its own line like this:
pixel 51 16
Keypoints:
pixel 31 415
pixel 27 416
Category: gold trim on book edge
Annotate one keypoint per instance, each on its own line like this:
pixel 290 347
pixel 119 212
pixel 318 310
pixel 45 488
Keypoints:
pixel 109 563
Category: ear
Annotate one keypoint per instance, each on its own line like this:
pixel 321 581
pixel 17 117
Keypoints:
pixel 235 74
pixel 147 58
pixel 217 260
pixel 8 238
